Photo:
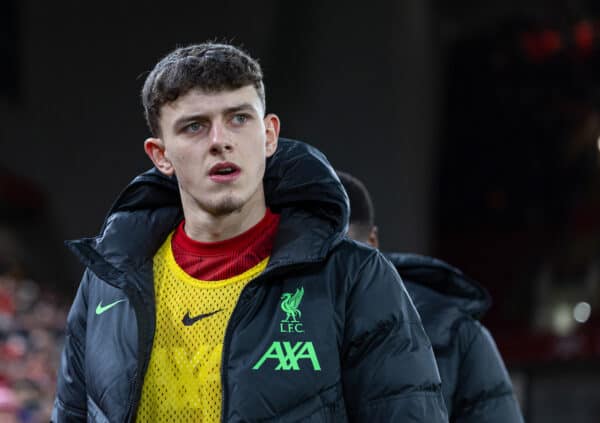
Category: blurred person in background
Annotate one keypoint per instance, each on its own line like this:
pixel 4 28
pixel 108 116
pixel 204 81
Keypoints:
pixel 475 383
pixel 230 292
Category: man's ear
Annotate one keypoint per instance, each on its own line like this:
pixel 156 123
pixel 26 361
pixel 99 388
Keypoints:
pixel 373 237
pixel 272 126
pixel 155 149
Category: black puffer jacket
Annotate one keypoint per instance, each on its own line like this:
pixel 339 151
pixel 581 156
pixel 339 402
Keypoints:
pixel 369 359
pixel 475 383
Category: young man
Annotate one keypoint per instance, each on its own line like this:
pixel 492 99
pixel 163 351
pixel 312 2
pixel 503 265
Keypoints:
pixel 475 383
pixel 221 287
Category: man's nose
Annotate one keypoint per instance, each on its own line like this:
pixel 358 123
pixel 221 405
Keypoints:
pixel 220 139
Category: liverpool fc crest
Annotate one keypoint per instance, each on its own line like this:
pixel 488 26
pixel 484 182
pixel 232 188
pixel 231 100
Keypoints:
pixel 289 304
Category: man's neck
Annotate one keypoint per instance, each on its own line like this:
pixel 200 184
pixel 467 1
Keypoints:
pixel 204 227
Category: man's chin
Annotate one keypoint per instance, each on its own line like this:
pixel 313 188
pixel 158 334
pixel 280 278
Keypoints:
pixel 225 207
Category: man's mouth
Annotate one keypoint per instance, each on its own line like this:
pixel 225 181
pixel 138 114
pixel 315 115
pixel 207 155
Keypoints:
pixel 224 172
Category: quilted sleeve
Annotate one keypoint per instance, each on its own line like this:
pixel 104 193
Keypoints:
pixel 484 392
pixel 70 401
pixel 389 370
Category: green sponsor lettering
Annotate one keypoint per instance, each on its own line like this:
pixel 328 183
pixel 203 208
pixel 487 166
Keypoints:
pixel 274 351
pixel 308 352
pixel 288 355
pixel 290 362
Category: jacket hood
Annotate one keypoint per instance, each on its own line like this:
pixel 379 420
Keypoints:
pixel 299 183
pixel 427 276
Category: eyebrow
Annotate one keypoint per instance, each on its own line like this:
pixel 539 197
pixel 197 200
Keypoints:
pixel 227 111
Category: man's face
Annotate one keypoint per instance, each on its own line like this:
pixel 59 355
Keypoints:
pixel 217 145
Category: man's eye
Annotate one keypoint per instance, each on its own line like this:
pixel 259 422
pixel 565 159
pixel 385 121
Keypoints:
pixel 240 119
pixel 193 127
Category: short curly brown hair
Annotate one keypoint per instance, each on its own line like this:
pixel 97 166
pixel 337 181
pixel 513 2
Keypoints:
pixel 211 67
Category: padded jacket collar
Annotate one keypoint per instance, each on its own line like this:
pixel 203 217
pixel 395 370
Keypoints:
pixel 443 280
pixel 299 183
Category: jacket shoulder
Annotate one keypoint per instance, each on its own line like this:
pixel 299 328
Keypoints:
pixel 442 318
pixel 389 367
pixel 354 250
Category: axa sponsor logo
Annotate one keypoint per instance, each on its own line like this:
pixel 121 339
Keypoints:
pixel 285 355
pixel 288 356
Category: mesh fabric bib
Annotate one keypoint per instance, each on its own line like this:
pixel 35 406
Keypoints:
pixel 183 380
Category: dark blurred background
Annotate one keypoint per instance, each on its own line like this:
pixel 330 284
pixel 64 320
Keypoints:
pixel 475 125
